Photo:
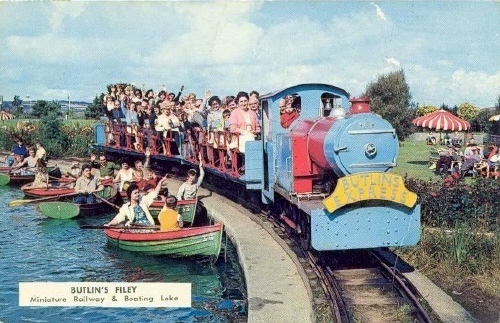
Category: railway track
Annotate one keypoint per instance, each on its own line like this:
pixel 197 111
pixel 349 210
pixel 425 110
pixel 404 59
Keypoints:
pixel 347 286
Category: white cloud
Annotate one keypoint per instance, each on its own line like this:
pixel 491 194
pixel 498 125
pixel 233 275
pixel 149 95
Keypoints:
pixel 392 61
pixel 474 85
pixel 64 9
pixel 380 13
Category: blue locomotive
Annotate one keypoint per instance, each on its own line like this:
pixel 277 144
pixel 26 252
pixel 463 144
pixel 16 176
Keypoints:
pixel 321 163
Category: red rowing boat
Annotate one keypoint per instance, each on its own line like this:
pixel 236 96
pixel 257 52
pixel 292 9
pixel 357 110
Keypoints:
pixel 59 187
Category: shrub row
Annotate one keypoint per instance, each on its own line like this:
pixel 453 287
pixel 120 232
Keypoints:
pixel 60 140
pixel 474 204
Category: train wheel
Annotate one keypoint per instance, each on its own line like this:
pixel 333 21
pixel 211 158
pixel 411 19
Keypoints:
pixel 304 233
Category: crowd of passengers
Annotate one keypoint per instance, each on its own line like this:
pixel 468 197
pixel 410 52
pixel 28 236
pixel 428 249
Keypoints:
pixel 171 115
pixel 228 122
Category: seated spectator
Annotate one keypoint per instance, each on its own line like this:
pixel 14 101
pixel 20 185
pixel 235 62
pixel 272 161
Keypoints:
pixel 431 138
pixel 446 157
pixel 489 162
pixel 455 140
pixel 469 149
pixel 468 138
pixel 469 163
pixel 169 218
pixel 18 149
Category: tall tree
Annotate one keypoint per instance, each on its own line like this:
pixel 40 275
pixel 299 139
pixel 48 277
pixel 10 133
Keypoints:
pixel 391 97
pixel 42 108
pixel 481 122
pixel 425 109
pixel 467 111
pixel 50 133
pixel 17 106
pixel 93 110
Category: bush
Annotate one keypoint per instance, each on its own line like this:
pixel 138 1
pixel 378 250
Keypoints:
pixel 68 139
pixel 474 204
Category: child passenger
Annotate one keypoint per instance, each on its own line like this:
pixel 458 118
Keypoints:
pixel 188 189
pixel 169 219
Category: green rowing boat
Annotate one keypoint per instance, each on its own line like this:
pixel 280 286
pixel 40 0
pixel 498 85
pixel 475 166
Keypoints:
pixel 187 242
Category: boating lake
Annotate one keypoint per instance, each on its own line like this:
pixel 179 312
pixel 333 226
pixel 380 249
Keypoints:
pixel 39 249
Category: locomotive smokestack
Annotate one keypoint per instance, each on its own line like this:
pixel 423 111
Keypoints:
pixel 359 105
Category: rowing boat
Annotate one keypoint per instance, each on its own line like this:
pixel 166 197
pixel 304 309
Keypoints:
pixel 57 187
pixel 186 242
pixel 26 176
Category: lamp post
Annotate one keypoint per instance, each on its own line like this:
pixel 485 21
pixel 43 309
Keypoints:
pixel 69 108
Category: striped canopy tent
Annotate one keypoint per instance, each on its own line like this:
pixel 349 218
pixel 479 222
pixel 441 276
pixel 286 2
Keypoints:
pixel 441 120
pixel 5 115
pixel 494 118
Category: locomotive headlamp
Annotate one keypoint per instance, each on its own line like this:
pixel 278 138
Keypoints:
pixel 370 150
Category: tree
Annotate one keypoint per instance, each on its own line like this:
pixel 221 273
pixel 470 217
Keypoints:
pixel 425 109
pixel 17 105
pixel 93 110
pixel 50 133
pixel 42 108
pixel 391 97
pixel 481 122
pixel 467 111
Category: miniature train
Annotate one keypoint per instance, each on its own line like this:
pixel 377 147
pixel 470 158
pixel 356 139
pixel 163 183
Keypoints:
pixel 324 167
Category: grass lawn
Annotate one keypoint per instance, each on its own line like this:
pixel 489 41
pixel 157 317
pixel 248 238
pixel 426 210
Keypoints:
pixel 72 122
pixel 413 160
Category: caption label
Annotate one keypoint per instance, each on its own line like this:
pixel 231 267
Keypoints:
pixel 105 294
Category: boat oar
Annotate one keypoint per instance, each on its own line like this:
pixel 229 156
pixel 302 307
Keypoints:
pixel 59 210
pixel 4 179
pixel 106 201
pixel 133 226
pixel 71 175
pixel 21 202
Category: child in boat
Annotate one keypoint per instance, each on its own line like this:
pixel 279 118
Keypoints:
pixel 125 176
pixel 169 219
pixel 41 175
pixel 188 189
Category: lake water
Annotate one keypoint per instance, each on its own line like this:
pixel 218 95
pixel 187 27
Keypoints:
pixel 38 249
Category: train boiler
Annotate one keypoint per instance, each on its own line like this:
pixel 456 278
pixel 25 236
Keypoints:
pixel 327 172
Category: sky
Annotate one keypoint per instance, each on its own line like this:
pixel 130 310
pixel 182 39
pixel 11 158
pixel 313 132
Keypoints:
pixel 448 50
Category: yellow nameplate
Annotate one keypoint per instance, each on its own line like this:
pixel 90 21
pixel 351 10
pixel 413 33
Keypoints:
pixel 369 186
